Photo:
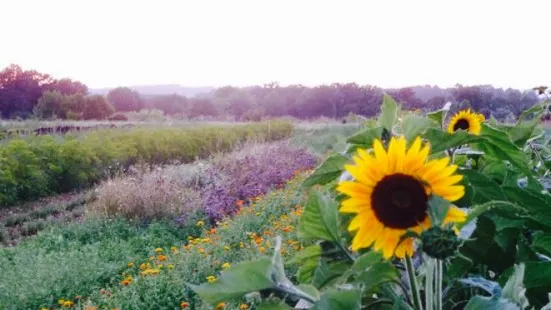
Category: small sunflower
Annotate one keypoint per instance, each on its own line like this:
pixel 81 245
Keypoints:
pixel 391 191
pixel 466 120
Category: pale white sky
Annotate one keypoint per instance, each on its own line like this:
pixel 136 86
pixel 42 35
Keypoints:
pixel 106 43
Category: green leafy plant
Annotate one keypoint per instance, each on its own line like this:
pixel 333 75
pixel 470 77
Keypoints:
pixel 484 243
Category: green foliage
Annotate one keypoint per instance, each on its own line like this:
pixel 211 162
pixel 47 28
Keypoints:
pixel 389 113
pixel 43 165
pixel 320 219
pixel 504 238
pixel 237 281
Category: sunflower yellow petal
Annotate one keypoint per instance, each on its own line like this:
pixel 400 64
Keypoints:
pixel 354 189
pixel 381 156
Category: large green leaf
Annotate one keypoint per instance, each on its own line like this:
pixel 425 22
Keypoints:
pixel 237 281
pixel 538 205
pixel 492 141
pixel 499 145
pixel 365 137
pixel 438 116
pixel 487 303
pixel 365 261
pixel 415 125
pixel 542 242
pixel 441 141
pixel 501 207
pixel 328 273
pixel 438 209
pixel 538 274
pixel 481 248
pixel 484 189
pixel 312 251
pixel 320 218
pixel 328 171
pixel 377 274
pixel 389 113
pixel 334 299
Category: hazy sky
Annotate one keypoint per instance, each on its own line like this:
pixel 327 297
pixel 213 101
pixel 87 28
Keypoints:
pixel 106 43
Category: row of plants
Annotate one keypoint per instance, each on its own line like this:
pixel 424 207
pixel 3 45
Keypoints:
pixel 421 212
pixel 32 168
pixel 207 189
pixel 159 207
pixel 119 264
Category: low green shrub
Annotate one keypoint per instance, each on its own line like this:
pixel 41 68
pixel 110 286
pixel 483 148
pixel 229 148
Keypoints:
pixel 31 168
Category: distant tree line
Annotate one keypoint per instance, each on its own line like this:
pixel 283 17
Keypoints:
pixel 29 93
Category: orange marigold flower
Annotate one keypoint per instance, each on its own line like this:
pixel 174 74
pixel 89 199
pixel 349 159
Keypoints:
pixel 220 305
pixel 258 240
pixel 239 203
pixel 212 231
pixel 162 258
pixel 243 307
pixel 184 304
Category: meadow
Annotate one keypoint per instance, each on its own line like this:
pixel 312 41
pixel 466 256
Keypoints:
pixel 182 186
pixel 246 216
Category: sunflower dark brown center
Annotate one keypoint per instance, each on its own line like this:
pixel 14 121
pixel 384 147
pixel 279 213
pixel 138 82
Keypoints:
pixel 399 201
pixel 461 124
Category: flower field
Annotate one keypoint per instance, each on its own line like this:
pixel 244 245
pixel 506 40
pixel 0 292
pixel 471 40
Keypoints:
pixel 424 212
pixel 142 236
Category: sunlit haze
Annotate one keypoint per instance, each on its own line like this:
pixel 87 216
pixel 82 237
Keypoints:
pixel 213 43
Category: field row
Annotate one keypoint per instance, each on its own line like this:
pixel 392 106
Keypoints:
pixel 32 168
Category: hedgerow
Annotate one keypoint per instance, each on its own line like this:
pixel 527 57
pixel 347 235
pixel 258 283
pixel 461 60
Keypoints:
pixel 31 168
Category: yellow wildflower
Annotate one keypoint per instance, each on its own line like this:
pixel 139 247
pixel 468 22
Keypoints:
pixel 226 248
pixel 243 307
pixel 158 250
pixel 226 265
pixel 130 265
pixel 211 279
pixel 220 305
pixel 170 266
pixel 200 223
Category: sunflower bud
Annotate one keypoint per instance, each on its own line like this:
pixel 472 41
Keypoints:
pixel 440 243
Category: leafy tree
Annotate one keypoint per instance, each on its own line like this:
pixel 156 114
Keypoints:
pixel 202 107
pixel 125 99
pixel 67 87
pixel 20 90
pixel 50 105
pixel 97 107
pixel 169 104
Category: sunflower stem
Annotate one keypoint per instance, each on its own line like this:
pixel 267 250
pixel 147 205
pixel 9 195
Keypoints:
pixel 429 284
pixel 413 284
pixel 438 281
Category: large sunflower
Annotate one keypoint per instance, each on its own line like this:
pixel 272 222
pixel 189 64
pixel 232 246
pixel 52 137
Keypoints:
pixel 466 120
pixel 390 194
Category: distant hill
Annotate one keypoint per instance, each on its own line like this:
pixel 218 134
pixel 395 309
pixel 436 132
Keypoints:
pixel 168 89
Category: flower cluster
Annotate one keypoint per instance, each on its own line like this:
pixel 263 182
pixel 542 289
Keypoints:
pixel 239 177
